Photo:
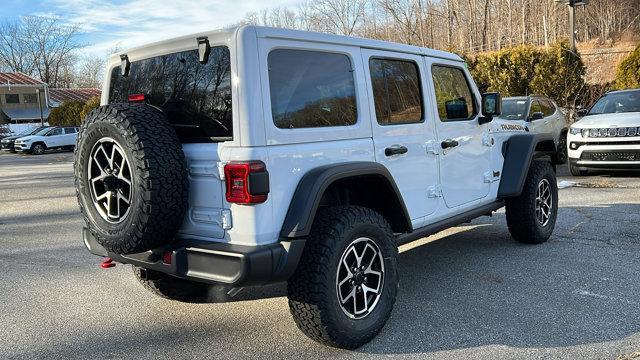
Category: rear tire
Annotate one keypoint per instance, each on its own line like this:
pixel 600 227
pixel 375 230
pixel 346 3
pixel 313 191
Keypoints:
pixel 170 287
pixel 349 254
pixel 531 217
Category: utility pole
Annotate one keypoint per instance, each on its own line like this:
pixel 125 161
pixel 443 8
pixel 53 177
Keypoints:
pixel 572 18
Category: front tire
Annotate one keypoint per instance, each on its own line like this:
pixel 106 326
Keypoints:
pixel 531 217
pixel 38 149
pixel 345 286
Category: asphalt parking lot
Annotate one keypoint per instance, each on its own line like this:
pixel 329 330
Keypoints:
pixel 470 292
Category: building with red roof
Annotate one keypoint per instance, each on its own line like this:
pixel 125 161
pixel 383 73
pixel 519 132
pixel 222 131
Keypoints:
pixel 24 99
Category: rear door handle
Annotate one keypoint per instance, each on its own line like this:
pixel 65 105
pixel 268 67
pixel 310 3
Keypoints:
pixel 446 144
pixel 395 150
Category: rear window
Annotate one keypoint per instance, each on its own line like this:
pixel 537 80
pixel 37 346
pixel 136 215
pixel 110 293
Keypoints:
pixel 311 89
pixel 195 97
pixel 396 91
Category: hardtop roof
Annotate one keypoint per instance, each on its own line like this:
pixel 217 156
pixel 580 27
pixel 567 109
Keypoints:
pixel 299 35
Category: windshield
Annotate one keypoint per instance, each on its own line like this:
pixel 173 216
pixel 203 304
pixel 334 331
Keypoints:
pixel 40 132
pixel 623 102
pixel 513 109
pixel 33 131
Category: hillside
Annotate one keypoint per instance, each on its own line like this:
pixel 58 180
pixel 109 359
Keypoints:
pixel 601 61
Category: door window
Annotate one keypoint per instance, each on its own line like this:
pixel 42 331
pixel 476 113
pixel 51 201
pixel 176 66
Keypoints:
pixel 548 108
pixel 535 108
pixel 454 97
pixel 70 130
pixel 396 91
pixel 311 89
pixel 55 132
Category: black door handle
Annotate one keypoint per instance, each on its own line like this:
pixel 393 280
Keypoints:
pixel 395 150
pixel 449 144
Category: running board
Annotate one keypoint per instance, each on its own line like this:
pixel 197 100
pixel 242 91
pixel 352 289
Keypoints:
pixel 448 223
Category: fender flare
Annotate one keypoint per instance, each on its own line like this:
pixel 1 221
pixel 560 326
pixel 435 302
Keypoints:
pixel 312 186
pixel 518 152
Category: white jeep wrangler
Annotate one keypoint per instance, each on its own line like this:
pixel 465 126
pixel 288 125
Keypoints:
pixel 253 155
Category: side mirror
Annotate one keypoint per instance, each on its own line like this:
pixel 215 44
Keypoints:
pixel 536 116
pixel 582 112
pixel 491 106
pixel 456 109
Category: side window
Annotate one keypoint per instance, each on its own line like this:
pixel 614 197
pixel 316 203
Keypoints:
pixel 548 108
pixel 311 89
pixel 69 130
pixel 12 98
pixel 396 91
pixel 29 98
pixel 453 95
pixel 535 108
pixel 55 132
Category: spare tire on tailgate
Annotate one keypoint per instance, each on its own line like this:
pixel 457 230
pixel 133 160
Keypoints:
pixel 131 177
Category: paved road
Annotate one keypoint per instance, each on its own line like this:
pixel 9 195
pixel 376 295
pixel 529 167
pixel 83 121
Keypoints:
pixel 468 293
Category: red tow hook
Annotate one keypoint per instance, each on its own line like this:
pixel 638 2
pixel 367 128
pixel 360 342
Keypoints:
pixel 107 263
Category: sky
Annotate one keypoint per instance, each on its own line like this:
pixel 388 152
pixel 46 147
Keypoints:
pixel 125 23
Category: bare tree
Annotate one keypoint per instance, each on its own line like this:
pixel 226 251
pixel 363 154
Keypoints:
pixel 14 48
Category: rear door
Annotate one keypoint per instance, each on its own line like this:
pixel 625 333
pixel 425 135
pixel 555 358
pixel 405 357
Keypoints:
pixel 403 132
pixel 538 126
pixel 54 138
pixel 465 161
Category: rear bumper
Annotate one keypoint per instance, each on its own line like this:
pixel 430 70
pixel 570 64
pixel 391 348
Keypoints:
pixel 215 263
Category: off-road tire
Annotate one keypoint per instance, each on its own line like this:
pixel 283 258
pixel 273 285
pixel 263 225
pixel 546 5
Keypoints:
pixel 576 171
pixel 170 287
pixel 521 211
pixel 159 190
pixel 312 290
pixel 38 149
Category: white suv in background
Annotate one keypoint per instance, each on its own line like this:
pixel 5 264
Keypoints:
pixel 49 138
pixel 538 114
pixel 608 135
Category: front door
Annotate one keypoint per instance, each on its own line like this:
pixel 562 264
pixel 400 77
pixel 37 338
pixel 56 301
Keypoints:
pixel 403 130
pixel 466 160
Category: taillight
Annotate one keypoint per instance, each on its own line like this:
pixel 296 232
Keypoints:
pixel 136 97
pixel 247 182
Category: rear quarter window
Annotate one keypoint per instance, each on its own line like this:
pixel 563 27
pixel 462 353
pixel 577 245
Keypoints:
pixel 195 97
pixel 311 89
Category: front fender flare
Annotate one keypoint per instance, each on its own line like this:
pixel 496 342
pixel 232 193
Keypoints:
pixel 519 151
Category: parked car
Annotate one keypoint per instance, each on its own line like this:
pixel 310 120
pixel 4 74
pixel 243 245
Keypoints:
pixel 607 137
pixel 8 143
pixel 49 138
pixel 266 155
pixel 5 131
pixel 539 114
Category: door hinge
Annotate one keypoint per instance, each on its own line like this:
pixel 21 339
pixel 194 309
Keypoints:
pixel 435 191
pixel 491 176
pixel 432 147
pixel 487 140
